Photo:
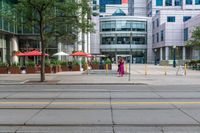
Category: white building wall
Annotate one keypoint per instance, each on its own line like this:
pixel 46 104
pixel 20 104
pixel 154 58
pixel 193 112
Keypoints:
pixel 137 7
pixel 149 41
pixel 95 37
pixel 173 31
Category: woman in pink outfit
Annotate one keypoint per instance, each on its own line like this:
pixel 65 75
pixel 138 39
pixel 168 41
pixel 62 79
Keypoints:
pixel 121 67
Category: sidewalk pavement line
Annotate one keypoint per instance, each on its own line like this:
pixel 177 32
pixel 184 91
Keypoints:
pixel 101 103
pixel 23 82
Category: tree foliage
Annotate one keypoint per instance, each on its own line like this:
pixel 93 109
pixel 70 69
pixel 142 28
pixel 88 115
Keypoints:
pixel 195 38
pixel 58 19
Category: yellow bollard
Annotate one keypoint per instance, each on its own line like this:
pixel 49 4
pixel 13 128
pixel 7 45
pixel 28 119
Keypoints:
pixel 145 69
pixel 185 68
pixel 106 69
pixel 87 67
pixel 165 69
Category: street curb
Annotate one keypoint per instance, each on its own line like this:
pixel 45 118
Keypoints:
pixel 76 84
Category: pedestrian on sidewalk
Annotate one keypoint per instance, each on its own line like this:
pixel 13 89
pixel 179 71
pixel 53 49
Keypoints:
pixel 121 67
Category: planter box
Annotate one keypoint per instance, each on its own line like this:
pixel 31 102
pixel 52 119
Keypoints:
pixel 95 66
pixel 48 69
pixel 56 69
pixel 14 70
pixel 3 70
pixel 64 68
pixel 76 68
pixel 30 70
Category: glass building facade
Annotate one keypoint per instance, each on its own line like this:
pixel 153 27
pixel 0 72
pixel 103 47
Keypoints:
pixel 27 38
pixel 120 37
pixel 103 4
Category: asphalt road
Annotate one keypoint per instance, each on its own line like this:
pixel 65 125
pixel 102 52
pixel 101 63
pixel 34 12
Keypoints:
pixel 99 109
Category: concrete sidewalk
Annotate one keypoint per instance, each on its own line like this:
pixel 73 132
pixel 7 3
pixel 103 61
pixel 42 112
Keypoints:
pixel 155 76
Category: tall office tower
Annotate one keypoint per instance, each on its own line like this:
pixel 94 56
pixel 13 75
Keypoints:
pixel 137 7
pixel 153 6
pixel 103 3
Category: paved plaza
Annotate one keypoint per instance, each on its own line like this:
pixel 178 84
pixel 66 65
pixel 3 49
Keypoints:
pixel 155 75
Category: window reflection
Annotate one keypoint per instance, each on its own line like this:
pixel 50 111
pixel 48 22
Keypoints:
pixel 123 26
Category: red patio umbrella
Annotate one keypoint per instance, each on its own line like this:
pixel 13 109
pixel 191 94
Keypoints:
pixel 19 54
pixel 34 53
pixel 79 54
pixel 89 56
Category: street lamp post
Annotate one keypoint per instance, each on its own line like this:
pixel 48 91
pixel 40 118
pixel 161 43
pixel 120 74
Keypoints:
pixel 155 50
pixel 174 61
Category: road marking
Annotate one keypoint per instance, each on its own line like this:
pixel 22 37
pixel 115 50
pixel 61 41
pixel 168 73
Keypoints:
pixel 98 103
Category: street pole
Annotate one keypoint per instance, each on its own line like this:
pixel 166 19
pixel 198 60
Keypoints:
pixel 155 63
pixel 129 77
pixel 174 62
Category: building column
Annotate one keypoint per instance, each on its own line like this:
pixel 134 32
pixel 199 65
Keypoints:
pixel 161 57
pixel 166 53
pixel 59 50
pixel 14 48
pixel 184 53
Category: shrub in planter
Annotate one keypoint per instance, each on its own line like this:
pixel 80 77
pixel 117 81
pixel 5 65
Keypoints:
pixel 84 64
pixel 109 62
pixel 64 66
pixel 56 66
pixel 3 68
pixel 95 64
pixel 15 68
pixel 48 67
pixel 30 67
pixel 75 66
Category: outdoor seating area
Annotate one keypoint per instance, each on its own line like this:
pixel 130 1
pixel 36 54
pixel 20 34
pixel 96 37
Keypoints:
pixel 79 61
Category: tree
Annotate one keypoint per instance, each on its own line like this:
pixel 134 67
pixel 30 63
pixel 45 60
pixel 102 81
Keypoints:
pixel 53 18
pixel 195 39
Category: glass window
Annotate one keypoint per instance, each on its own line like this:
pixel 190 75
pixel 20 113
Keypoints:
pixel 123 40
pixel 197 2
pixel 153 24
pixel 168 2
pixel 108 40
pixel 139 40
pixel 188 2
pixel 162 36
pixel 186 18
pixel 177 2
pixel 157 22
pixel 108 26
pixel 157 12
pixel 185 34
pixel 138 26
pixel 121 26
pixel 153 39
pixel 157 37
pixel 171 19
pixel 159 2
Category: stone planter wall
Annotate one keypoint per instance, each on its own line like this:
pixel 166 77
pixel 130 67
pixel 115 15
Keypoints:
pixel 48 69
pixel 3 70
pixel 30 70
pixel 15 70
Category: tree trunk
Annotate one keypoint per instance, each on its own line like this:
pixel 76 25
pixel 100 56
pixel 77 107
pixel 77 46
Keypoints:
pixel 42 71
pixel 42 62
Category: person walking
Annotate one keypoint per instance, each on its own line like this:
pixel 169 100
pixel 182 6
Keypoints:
pixel 121 67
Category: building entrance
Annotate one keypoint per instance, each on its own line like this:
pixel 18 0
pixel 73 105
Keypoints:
pixel 127 58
